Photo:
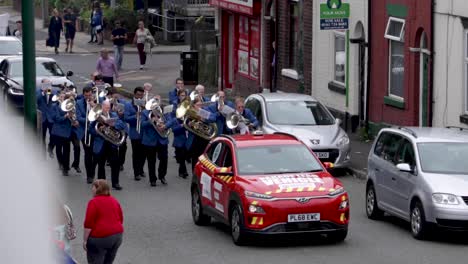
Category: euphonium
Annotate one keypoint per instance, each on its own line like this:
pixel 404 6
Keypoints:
pixel 154 107
pixel 193 122
pixel 69 106
pixel 109 133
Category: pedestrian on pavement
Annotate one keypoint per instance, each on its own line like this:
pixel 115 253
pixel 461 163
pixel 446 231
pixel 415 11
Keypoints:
pixel 55 29
pixel 18 32
pixel 107 68
pixel 103 225
pixel 141 36
pixel 97 22
pixel 119 36
pixel 70 29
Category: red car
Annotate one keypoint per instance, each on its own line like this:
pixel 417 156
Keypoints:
pixel 267 184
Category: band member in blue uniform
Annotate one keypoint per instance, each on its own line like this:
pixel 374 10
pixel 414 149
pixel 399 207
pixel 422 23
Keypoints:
pixel 61 131
pixel 83 105
pixel 117 98
pixel 155 145
pixel 133 114
pixel 104 150
pixel 173 98
pixel 44 96
pixel 220 117
pixel 247 114
pixel 201 93
pixel 180 137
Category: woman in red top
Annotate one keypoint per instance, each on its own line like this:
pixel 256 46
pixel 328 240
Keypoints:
pixel 103 225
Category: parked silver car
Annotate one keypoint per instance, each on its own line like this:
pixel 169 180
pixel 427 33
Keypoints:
pixel 421 176
pixel 307 119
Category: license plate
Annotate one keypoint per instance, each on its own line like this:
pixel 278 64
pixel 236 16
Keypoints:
pixel 293 218
pixel 322 155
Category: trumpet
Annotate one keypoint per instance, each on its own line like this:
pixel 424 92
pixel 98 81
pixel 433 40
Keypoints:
pixel 193 122
pixel 154 106
pixel 140 104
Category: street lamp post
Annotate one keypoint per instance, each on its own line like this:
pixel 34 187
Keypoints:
pixel 29 64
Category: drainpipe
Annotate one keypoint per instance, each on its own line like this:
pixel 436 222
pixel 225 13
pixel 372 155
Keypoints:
pixel 369 56
pixel 431 79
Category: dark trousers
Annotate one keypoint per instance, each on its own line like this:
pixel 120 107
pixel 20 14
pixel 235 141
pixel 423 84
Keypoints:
pixel 181 157
pixel 110 153
pixel 88 159
pixel 138 157
pixel 109 80
pixel 198 147
pixel 122 153
pixel 160 151
pixel 103 250
pixel 46 125
pixel 76 151
pixel 63 152
pixel 141 53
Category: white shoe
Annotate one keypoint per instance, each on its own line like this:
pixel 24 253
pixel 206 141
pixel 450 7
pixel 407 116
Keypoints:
pixel 141 67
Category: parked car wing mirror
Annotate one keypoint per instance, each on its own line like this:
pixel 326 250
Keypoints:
pixel 338 121
pixel 405 167
pixel 223 172
pixel 69 73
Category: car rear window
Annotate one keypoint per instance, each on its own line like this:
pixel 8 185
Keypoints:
pixel 276 159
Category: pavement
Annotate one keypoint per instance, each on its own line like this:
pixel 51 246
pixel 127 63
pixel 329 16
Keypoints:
pixel 359 151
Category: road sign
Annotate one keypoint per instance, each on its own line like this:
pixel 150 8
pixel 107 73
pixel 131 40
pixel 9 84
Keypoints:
pixel 334 14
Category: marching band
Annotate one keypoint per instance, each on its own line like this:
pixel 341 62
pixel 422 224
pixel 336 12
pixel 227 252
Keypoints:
pixel 102 120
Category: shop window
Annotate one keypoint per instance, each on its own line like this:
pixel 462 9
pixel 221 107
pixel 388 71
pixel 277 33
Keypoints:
pixel 340 58
pixel 395 29
pixel 294 34
pixel 396 69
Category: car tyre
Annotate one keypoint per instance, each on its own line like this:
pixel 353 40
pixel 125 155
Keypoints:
pixel 199 217
pixel 372 209
pixel 239 237
pixel 419 226
pixel 337 236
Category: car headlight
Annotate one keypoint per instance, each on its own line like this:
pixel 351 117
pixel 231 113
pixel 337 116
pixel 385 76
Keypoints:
pixel 344 140
pixel 256 209
pixel 445 198
pixel 15 91
pixel 258 195
pixel 337 191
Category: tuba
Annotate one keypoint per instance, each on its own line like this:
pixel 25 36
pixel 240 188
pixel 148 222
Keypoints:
pixel 154 106
pixel 192 121
pixel 109 133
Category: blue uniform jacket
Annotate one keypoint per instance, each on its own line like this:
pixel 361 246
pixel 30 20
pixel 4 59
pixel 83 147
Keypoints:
pixel 150 137
pixel 81 117
pixel 248 114
pixel 98 140
pixel 191 136
pixel 62 125
pixel 47 110
pixel 130 116
pixel 173 98
pixel 179 131
pixel 220 119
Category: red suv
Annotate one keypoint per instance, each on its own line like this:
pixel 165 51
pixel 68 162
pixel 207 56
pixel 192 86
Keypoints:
pixel 267 184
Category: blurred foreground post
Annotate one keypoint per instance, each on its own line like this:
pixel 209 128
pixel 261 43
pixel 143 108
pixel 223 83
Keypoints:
pixel 29 63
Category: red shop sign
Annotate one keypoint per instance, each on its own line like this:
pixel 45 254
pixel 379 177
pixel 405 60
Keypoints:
pixel 238 6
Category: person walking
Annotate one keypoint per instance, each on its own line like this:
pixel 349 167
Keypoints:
pixel 141 36
pixel 119 36
pixel 103 225
pixel 107 68
pixel 55 29
pixel 18 32
pixel 69 21
pixel 97 22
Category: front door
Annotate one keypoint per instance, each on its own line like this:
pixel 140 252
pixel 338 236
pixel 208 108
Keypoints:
pixel 423 83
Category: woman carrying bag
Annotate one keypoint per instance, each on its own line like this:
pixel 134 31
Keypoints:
pixel 55 29
pixel 144 41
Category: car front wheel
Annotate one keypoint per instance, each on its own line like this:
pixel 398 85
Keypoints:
pixel 419 226
pixel 199 218
pixel 372 209
pixel 238 234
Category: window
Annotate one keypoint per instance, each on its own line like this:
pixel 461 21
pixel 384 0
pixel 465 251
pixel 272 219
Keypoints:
pixel 396 69
pixel 387 146
pixel 42 69
pixel 298 113
pixel 340 58
pixel 395 29
pixel 465 62
pixel 293 33
pixel 214 152
pixel 227 157
pixel 444 157
pixel 406 154
pixel 254 106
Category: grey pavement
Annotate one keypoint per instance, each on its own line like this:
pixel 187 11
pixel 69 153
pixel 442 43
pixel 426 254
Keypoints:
pixel 359 151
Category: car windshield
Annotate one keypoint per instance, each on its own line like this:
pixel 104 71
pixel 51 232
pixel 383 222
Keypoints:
pixel 443 157
pixel 48 68
pixel 11 48
pixel 306 113
pixel 276 159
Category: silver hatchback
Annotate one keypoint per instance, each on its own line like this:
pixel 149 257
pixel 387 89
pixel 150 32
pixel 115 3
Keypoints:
pixel 421 176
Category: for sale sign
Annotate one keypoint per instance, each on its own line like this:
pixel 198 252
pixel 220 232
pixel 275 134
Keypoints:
pixel 334 14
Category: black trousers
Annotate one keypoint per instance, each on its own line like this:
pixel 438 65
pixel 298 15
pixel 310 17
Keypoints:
pixel 109 80
pixel 63 152
pixel 103 250
pixel 122 153
pixel 76 151
pixel 108 152
pixel 181 157
pixel 47 126
pixel 138 157
pixel 88 159
pixel 160 151
pixel 198 147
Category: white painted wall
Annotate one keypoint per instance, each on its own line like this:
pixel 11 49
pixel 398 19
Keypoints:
pixel 323 60
pixel 449 82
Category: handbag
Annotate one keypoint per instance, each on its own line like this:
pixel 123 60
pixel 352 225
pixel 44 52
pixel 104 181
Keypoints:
pixel 70 230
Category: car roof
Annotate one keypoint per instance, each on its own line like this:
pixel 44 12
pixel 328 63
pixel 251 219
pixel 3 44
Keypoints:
pixel 433 134
pixel 20 58
pixel 269 97
pixel 251 140
pixel 9 38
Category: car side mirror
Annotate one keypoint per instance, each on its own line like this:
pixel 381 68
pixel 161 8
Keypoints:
pixel 405 167
pixel 328 165
pixel 218 172
pixel 69 74
pixel 338 121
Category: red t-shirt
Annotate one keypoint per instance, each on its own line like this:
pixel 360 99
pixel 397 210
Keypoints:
pixel 104 216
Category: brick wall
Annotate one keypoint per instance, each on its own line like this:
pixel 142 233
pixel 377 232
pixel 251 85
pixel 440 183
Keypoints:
pixel 266 52
pixel 245 86
pixel 308 33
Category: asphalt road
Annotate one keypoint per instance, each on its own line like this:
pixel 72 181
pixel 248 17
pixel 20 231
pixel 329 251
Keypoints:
pixel 159 229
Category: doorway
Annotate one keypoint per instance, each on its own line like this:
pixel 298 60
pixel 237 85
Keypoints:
pixel 423 81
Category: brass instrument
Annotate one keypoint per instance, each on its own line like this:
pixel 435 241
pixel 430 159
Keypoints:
pixel 234 120
pixel 69 106
pixel 140 104
pixel 215 99
pixel 109 133
pixel 105 91
pixel 87 138
pixel 193 122
pixel 154 106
